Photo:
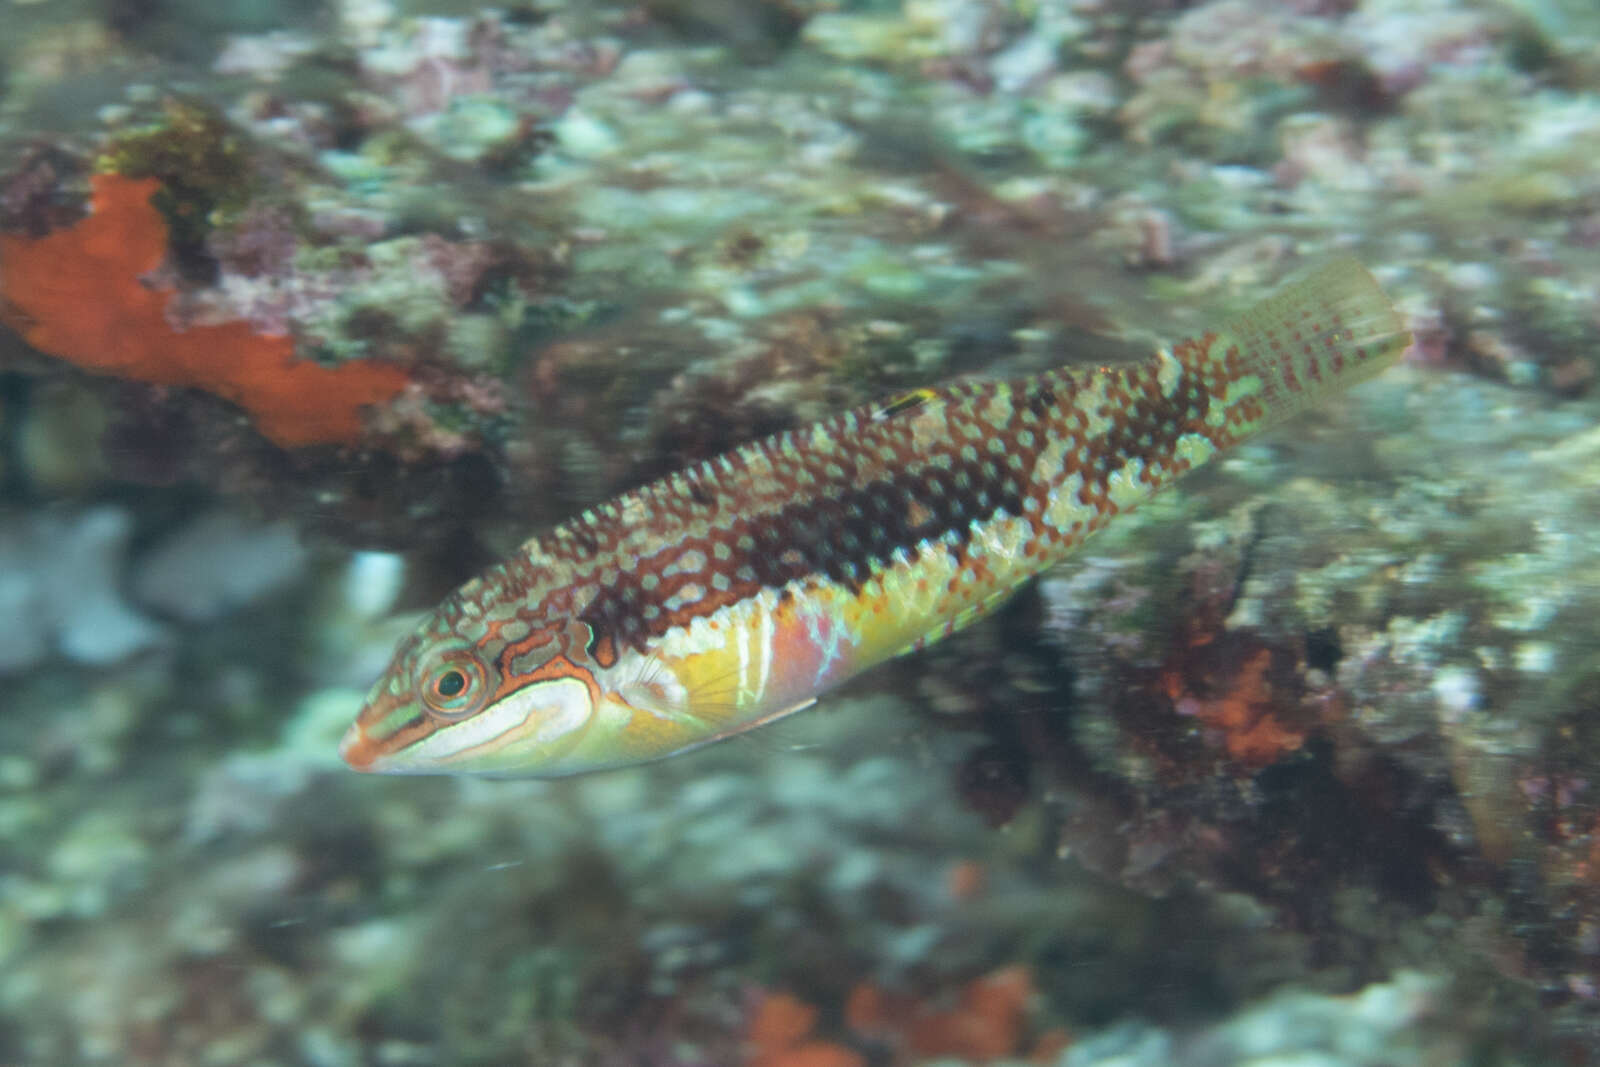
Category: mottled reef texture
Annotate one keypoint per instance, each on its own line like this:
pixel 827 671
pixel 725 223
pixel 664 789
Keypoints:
pixel 311 310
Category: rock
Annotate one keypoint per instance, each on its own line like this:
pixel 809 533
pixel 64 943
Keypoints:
pixel 217 563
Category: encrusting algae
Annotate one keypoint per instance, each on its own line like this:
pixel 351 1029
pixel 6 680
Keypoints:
pixel 738 591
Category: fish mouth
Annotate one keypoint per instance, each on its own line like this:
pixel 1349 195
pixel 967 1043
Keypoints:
pixel 382 730
pixel 359 751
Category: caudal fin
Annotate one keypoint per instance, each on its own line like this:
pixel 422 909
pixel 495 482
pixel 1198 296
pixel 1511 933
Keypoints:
pixel 1324 333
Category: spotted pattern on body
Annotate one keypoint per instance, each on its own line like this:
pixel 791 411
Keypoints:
pixel 739 589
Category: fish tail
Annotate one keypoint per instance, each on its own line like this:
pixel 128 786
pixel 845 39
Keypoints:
pixel 1319 335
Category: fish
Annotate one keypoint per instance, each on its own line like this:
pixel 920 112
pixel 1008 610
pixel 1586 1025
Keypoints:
pixel 740 590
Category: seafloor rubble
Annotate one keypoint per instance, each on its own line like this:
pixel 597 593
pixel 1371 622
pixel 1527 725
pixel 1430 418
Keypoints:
pixel 310 311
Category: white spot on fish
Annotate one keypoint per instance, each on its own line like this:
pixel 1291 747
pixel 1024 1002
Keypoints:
pixel 1169 372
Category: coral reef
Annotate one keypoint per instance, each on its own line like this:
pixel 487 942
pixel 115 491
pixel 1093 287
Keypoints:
pixel 310 314
pixel 81 294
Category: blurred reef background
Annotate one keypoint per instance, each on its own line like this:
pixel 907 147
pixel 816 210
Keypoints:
pixel 313 307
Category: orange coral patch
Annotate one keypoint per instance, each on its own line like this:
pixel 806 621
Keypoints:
pixel 781 1021
pixel 779 1036
pixel 814 1054
pixel 77 294
pixel 1243 714
pixel 986 1024
pixel 865 1010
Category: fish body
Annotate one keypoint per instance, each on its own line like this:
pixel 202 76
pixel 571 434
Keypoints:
pixel 740 589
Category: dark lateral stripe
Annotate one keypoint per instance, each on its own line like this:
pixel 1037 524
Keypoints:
pixel 831 527
pixel 841 507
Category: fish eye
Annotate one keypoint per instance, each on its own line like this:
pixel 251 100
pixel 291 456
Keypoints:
pixel 454 686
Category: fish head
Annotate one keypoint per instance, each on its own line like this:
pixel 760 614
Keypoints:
pixel 480 689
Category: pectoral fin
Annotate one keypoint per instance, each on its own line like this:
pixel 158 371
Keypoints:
pixel 654 700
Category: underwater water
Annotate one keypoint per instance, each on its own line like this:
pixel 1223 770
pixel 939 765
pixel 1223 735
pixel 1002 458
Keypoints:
pixel 309 312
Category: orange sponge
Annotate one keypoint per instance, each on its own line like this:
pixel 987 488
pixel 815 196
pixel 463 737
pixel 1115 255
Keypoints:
pixel 780 1036
pixel 77 294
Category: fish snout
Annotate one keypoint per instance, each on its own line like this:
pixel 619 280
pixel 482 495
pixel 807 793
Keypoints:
pixel 357 749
